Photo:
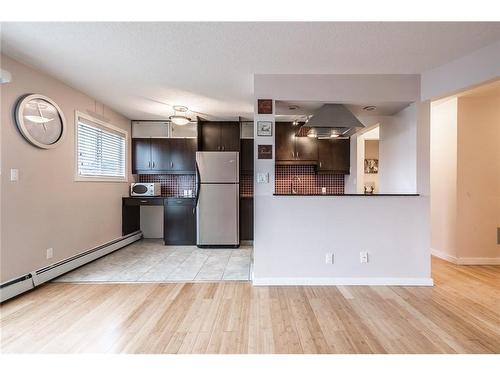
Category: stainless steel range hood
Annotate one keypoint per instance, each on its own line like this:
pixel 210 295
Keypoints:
pixel 333 119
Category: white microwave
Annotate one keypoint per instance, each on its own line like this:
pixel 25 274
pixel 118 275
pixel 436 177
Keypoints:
pixel 145 189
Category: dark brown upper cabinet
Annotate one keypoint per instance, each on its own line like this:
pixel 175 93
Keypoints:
pixel 294 150
pixel 141 154
pixel 246 156
pixel 219 136
pixel 333 156
pixel 163 155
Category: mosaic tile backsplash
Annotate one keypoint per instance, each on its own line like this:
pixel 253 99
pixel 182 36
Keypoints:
pixel 172 185
pixel 310 182
pixel 246 185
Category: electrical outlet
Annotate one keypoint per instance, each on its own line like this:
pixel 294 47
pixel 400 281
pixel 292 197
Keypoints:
pixel 329 258
pixel 50 253
pixel 363 257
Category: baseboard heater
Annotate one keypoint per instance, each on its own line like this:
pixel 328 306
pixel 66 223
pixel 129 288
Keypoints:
pixel 24 283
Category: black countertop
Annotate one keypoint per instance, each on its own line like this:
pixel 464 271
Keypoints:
pixel 345 195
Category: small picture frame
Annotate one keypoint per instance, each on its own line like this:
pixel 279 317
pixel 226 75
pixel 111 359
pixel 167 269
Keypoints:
pixel 264 128
pixel 264 151
pixel 265 106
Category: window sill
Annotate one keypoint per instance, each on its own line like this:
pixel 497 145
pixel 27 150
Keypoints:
pixel 99 179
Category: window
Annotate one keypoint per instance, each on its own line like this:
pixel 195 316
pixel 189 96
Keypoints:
pixel 101 150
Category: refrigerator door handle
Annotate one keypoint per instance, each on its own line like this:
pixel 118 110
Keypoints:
pixel 198 186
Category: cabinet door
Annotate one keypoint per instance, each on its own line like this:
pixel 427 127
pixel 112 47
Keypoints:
pixel 230 136
pixel 179 223
pixel 160 154
pixel 246 155
pixel 210 136
pixel 285 141
pixel 141 154
pixel 341 154
pixel 177 160
pixel 325 155
pixel 189 154
pixel 306 149
pixel 246 219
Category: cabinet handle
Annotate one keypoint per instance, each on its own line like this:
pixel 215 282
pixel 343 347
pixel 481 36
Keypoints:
pixel 153 164
pixel 293 154
pixel 149 164
pixel 171 164
pixel 223 148
pixel 144 201
pixel 320 164
pixel 297 154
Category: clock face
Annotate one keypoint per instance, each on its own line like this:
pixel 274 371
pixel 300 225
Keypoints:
pixel 40 121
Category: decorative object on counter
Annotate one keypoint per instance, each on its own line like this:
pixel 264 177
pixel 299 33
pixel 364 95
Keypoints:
pixel 172 185
pixel 265 106
pixel 40 120
pixel 369 188
pixel 265 151
pixel 371 166
pixel 310 182
pixel 264 128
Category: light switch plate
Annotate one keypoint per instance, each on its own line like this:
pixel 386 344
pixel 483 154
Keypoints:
pixel 14 174
pixel 363 257
pixel 262 178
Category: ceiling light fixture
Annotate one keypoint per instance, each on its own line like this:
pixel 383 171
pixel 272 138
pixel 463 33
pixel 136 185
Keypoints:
pixel 370 108
pixel 180 119
pixel 333 135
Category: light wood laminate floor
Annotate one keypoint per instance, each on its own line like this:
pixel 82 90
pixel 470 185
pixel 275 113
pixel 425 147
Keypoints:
pixel 460 314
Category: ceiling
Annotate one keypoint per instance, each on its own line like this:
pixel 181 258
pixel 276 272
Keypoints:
pixel 298 110
pixel 141 69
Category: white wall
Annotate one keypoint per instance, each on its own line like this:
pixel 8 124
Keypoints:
pixel 293 234
pixel 475 68
pixel 398 152
pixel 444 178
pixel 46 208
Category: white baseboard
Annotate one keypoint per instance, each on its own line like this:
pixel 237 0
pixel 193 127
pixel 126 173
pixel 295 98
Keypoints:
pixel 29 281
pixel 464 261
pixel 478 261
pixel 444 256
pixel 393 281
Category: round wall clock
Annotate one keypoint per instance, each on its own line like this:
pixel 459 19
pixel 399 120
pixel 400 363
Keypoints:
pixel 40 120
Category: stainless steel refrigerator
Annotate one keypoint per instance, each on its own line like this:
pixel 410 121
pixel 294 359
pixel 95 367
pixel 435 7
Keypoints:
pixel 217 199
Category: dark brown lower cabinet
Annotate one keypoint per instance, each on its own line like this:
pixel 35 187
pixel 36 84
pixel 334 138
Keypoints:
pixel 179 222
pixel 246 219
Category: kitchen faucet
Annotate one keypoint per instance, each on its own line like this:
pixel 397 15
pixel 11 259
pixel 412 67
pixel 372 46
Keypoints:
pixel 292 187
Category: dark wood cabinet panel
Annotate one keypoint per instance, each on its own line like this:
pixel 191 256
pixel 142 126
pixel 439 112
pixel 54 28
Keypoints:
pixel 334 156
pixel 210 136
pixel 179 223
pixel 306 149
pixel 190 145
pixel 285 141
pixel 141 154
pixel 294 150
pixel 246 219
pixel 246 155
pixel 219 136
pixel 161 154
pixel 230 136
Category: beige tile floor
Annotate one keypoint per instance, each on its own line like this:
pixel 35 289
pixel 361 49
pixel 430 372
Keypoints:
pixel 150 261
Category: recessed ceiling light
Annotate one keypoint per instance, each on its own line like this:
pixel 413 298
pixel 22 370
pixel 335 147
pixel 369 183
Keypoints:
pixel 293 107
pixel 333 135
pixel 370 108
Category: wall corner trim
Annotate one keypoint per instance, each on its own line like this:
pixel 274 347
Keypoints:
pixel 380 281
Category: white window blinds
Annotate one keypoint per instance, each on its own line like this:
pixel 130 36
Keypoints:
pixel 101 151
